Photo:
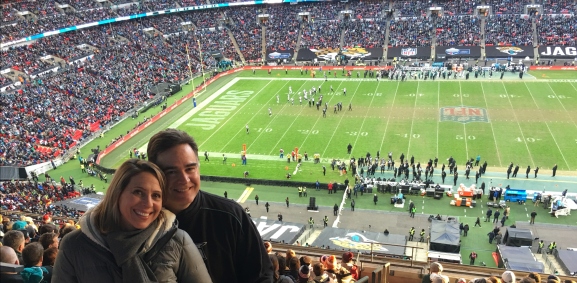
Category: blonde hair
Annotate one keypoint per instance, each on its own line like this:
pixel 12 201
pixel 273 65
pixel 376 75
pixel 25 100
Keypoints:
pixel 107 213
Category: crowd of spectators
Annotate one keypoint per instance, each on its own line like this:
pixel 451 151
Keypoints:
pixel 205 19
pixel 247 32
pixel 321 34
pixel 456 7
pixel 132 10
pixel 412 8
pixel 508 30
pixel 88 16
pixel 158 5
pixel 458 30
pixel 508 6
pixel 39 8
pixel 366 9
pixel 35 197
pixel 81 4
pixel 323 10
pixel 368 34
pixel 415 32
pixel 557 30
pixel 282 27
pixel 166 24
pixel 558 6
pixel 8 13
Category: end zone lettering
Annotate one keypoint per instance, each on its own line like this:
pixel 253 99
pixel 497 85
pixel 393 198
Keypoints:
pixel 463 114
pixel 219 109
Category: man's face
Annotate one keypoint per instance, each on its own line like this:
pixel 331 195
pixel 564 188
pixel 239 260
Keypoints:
pixel 180 164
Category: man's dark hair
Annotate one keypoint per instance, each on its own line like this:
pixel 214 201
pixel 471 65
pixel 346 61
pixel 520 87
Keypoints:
pixel 32 254
pixel 65 230
pixel 49 256
pixel 47 228
pixel 47 239
pixel 167 139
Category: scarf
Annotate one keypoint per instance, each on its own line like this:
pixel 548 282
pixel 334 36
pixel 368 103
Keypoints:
pixel 127 249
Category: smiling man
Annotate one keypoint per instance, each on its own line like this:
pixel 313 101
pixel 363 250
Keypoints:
pixel 227 237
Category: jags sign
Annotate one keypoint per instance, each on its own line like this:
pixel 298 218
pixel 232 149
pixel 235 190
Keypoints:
pixel 463 114
pixel 509 51
pixel 558 52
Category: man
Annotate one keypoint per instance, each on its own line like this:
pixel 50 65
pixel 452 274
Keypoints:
pixel 7 255
pixel 326 221
pixel 515 171
pixel 489 213
pixel 541 245
pixel 472 257
pixel 311 222
pixel 554 170
pixel 352 205
pixel 335 209
pixel 509 170
pixel 256 199
pixel 496 216
pixel 413 210
pixel 527 172
pixel 533 215
pixel 16 240
pixel 536 171
pixel 349 148
pixel 266 205
pixel 455 177
pixel 375 199
pixel 411 233
pixel 33 256
pixel 422 234
pixel 279 216
pixel 443 175
pixel 465 230
pixel 205 216
pixel 206 156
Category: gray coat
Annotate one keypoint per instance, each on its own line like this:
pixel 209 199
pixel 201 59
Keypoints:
pixel 82 257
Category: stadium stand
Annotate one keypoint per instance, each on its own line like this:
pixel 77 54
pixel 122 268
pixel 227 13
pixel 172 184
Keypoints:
pixel 507 30
pixel 105 74
pixel 282 28
pixel 458 30
pixel 558 30
pixel 413 32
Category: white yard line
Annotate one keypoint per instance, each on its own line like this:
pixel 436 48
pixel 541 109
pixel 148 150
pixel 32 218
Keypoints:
pixel 491 123
pixel 389 117
pixel 546 124
pixel 413 119
pixel 562 105
pixel 220 91
pixel 365 118
pixel 243 129
pixel 335 131
pixel 438 109
pixel 464 124
pixel 320 117
pixel 518 124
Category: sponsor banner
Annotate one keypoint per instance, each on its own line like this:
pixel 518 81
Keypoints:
pixel 554 68
pixel 459 51
pixel 274 55
pixel 327 54
pixel 276 231
pixel 509 51
pixel 409 52
pixel 563 52
pixel 463 114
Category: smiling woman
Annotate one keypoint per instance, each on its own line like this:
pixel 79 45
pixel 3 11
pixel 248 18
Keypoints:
pixel 128 237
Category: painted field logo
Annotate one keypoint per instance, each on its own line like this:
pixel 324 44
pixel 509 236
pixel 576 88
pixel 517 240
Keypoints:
pixel 463 114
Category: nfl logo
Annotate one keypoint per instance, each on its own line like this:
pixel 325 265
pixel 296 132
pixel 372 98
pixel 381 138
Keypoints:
pixel 409 51
pixel 463 114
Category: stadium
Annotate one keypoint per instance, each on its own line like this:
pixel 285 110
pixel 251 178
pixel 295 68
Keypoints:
pixel 435 105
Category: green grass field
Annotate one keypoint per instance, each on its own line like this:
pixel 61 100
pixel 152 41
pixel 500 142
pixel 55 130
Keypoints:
pixel 529 123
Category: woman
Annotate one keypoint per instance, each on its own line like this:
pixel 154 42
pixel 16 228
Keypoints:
pixel 128 237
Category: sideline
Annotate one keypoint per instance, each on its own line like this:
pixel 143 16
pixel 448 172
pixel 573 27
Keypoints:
pixel 245 195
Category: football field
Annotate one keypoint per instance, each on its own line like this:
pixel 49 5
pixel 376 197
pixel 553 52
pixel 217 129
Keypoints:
pixel 529 123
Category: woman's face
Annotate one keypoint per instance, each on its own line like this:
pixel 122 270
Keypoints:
pixel 140 202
